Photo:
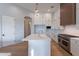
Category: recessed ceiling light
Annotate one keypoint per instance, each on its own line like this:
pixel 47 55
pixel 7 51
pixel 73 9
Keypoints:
pixel 48 10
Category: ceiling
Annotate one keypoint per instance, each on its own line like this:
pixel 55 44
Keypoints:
pixel 42 7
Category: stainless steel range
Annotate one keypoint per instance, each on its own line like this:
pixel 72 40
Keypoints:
pixel 64 41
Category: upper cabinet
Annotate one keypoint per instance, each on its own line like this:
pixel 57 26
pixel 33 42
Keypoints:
pixel 42 19
pixel 67 14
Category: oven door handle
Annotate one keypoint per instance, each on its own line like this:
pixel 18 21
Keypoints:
pixel 65 40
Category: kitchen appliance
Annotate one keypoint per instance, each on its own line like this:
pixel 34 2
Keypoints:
pixel 64 41
pixel 48 27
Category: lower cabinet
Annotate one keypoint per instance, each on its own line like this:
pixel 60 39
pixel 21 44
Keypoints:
pixel 39 47
pixel 75 46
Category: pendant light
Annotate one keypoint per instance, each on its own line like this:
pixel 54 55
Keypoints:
pixel 36 9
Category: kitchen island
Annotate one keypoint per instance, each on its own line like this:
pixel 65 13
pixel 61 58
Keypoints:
pixel 38 45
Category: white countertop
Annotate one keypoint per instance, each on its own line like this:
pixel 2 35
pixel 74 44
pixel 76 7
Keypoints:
pixel 75 38
pixel 37 37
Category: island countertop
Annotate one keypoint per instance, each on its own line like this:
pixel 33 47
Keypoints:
pixel 37 37
pixel 38 45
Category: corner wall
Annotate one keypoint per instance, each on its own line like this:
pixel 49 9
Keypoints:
pixel 8 9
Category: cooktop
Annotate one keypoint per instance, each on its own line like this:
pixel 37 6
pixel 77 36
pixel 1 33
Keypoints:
pixel 67 35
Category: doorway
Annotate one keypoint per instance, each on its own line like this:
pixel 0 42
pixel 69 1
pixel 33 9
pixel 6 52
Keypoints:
pixel 7 31
pixel 27 28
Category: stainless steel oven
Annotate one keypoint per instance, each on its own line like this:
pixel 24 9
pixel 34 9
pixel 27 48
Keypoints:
pixel 64 42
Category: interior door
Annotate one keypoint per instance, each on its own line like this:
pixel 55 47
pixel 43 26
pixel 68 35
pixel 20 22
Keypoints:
pixel 27 29
pixel 8 30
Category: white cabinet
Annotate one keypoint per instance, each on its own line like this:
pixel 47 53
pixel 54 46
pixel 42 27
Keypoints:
pixel 47 19
pixel 75 46
pixel 37 19
pixel 39 47
pixel 42 19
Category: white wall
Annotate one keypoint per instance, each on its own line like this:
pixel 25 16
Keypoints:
pixel 18 13
pixel 77 14
pixel 0 31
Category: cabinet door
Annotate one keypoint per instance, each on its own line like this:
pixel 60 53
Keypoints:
pixel 37 19
pixel 67 14
pixel 39 47
pixel 8 30
pixel 75 47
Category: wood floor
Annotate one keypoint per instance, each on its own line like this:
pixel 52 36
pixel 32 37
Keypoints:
pixel 21 49
pixel 58 51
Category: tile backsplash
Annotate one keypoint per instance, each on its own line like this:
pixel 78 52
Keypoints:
pixel 71 29
pixel 39 29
